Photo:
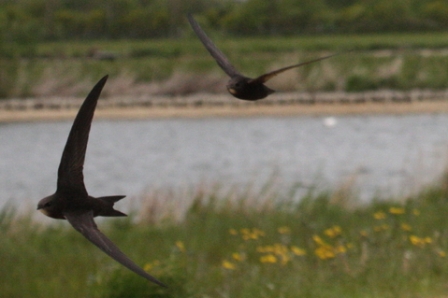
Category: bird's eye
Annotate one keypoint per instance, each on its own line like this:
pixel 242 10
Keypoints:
pixel 47 205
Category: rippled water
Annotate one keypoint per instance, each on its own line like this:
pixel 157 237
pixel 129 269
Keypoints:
pixel 391 154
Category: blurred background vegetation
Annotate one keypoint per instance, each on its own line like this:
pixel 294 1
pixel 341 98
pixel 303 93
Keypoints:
pixel 52 20
pixel 151 41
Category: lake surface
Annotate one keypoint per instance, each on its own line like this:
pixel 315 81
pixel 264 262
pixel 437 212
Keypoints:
pixel 389 155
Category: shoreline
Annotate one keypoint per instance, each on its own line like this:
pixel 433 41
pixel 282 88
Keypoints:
pixel 247 110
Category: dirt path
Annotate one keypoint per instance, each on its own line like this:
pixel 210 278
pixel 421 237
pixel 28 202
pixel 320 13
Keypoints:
pixel 231 111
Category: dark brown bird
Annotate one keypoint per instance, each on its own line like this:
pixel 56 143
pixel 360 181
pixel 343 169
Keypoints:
pixel 71 201
pixel 239 85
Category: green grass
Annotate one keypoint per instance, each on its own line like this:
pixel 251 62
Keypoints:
pixel 233 245
pixel 60 67
pixel 240 46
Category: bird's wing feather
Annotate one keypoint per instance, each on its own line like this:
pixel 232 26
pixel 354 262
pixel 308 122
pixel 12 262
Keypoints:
pixel 70 176
pixel 84 223
pixel 220 58
pixel 267 76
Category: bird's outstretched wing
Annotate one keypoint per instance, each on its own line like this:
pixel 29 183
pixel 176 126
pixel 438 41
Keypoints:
pixel 220 58
pixel 267 76
pixel 84 223
pixel 70 176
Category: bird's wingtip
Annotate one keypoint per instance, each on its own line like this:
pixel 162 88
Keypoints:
pixel 190 17
pixel 163 285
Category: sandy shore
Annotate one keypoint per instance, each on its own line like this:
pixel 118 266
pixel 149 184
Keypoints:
pixel 232 111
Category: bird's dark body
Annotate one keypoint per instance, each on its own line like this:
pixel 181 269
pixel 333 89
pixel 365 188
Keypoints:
pixel 243 88
pixel 71 200
pixel 239 85
pixel 102 206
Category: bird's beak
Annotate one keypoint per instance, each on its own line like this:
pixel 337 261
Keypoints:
pixel 44 211
pixel 233 91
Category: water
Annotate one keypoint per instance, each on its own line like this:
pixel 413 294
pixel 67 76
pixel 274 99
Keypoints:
pixel 391 155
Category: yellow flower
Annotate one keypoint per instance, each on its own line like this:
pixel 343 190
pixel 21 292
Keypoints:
pixel 284 230
pixel 298 251
pixel 396 210
pixel 405 227
pixel 420 242
pixel 277 249
pixel 273 252
pixel 270 258
pixel 280 249
pixel 254 234
pixel 324 252
pixel 379 215
pixel 416 212
pixel 441 253
pixel 228 265
pixel 363 233
pixel 180 245
pixel 151 265
pixel 340 249
pixel 414 240
pixel 237 256
pixel 333 231
pixel 318 240
pixel 233 232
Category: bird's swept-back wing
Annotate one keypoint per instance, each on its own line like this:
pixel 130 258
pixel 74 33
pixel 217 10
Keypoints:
pixel 267 76
pixel 84 223
pixel 220 58
pixel 70 175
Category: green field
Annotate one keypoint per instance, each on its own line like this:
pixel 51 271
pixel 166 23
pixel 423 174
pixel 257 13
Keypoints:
pixel 241 46
pixel 366 62
pixel 241 244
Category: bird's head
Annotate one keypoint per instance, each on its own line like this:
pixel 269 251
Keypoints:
pixel 237 86
pixel 47 205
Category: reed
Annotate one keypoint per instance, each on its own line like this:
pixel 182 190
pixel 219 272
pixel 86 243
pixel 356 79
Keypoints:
pixel 367 62
pixel 229 242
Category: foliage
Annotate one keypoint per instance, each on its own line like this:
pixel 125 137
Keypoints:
pixel 234 245
pixel 18 33
pixel 116 19
pixel 365 62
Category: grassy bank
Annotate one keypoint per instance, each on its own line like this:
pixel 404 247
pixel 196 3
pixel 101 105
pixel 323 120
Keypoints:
pixel 227 244
pixel 368 62
pixel 257 110
pixel 181 47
